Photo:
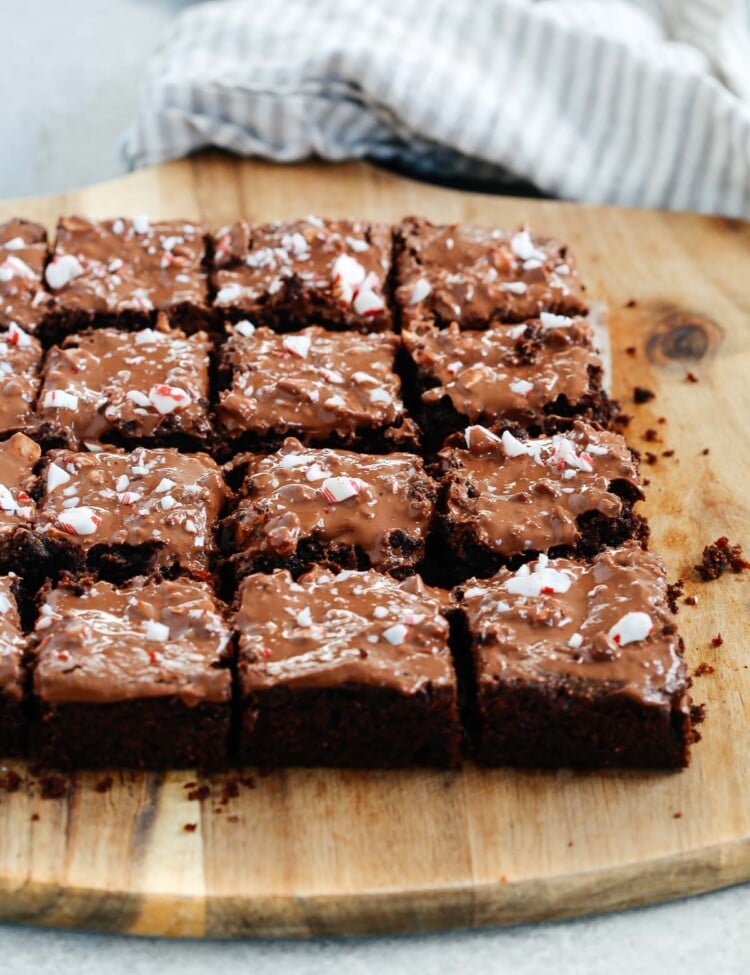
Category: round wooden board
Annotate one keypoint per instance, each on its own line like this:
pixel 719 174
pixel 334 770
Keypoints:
pixel 329 852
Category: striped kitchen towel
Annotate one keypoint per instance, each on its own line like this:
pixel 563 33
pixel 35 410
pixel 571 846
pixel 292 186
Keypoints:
pixel 639 103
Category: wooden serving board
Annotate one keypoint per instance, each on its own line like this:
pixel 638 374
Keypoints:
pixel 322 852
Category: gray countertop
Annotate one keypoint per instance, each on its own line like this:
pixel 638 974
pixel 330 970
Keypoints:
pixel 71 75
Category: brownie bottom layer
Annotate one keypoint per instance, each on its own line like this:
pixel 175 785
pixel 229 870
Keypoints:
pixel 349 727
pixel 113 563
pixel 12 726
pixel 153 733
pixel 55 326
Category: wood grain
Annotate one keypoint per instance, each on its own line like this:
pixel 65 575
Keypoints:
pixel 324 852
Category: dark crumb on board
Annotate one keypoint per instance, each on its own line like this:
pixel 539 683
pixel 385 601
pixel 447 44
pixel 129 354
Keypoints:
pixel 53 786
pixel 197 795
pixel 643 395
pixel 233 819
pixel 651 435
pixel 650 458
pixel 190 827
pixel 691 600
pixel 105 784
pixel 646 481
pixel 677 815
pixel 230 790
pixel 631 350
pixel 631 303
pixel 10 781
pixel 661 419
pixel 720 556
pixel 190 785
pixel 703 668
pixel 34 817
pixel 691 377
pixel 667 453
pixel 674 591
pixel 705 451
pixel 697 715
pixel 717 641
pixel 622 420
pixel 248 781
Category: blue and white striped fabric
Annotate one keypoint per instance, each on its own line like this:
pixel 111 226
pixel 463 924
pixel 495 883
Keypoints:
pixel 638 103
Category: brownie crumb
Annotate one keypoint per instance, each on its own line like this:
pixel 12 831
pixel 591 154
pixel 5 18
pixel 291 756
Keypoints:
pixel 650 458
pixel 661 419
pixel 631 350
pixel 651 435
pixel 705 451
pixel 105 784
pixel 720 556
pixel 674 591
pixel 691 377
pixel 230 790
pixel 646 481
pixel 717 640
pixel 677 815
pixel 631 303
pixel 197 795
pixel 248 781
pixel 34 817
pixel 641 394
pixel 10 781
pixel 697 715
pixel 233 819
pixel 691 600
pixel 190 827
pixel 703 668
pixel 53 786
pixel 190 785
pixel 667 453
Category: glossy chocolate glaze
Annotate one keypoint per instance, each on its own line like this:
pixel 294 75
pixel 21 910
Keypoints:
pixel 12 643
pixel 336 498
pixel 293 272
pixel 559 620
pixel 506 372
pixel 102 266
pixel 356 628
pixel 23 254
pixel 473 275
pixel 521 496
pixel 312 384
pixel 152 639
pixel 18 455
pixel 145 497
pixel 20 359
pixel 139 385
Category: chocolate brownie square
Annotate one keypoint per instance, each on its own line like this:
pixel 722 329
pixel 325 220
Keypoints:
pixel 20 361
pixel 507 376
pixel 288 275
pixel 123 272
pixel 349 670
pixel 475 276
pixel 337 388
pixel 302 506
pixel 118 515
pixel 23 255
pixel 504 499
pixel 20 548
pixel 108 385
pixel 12 650
pixel 135 677
pixel 578 664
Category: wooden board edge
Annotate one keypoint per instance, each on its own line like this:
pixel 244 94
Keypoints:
pixel 382 912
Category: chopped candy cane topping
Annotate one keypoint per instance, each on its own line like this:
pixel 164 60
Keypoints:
pixel 555 321
pixel 167 399
pixel 137 397
pixel 522 387
pixel 59 399
pixel 80 521
pixel 477 436
pixel 396 634
pixel 419 292
pixel 523 247
pixel 17 336
pixel 141 224
pixel 336 489
pixel 156 632
pixel 245 328
pixel 228 294
pixel 367 303
pixel 304 617
pixel 631 628
pixel 515 287
pixel 13 267
pixel 575 641
pixel 164 485
pixel 61 270
pixel 298 345
pixel 543 579
pixel 55 477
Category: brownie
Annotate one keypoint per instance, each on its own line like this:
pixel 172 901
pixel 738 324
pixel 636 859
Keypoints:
pixel 578 664
pixel 506 376
pixel 335 388
pixel 123 272
pixel 20 548
pixel 475 276
pixel 136 676
pixel 23 255
pixel 346 670
pixel 288 275
pixel 302 506
pixel 504 499
pixel 124 387
pixel 118 514
pixel 12 650
pixel 20 361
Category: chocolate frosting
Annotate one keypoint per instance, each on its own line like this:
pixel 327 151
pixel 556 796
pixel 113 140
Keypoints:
pixel 135 384
pixel 564 620
pixel 521 496
pixel 293 269
pixel 23 254
pixel 20 358
pixel 155 639
pixel 473 275
pixel 503 372
pixel 12 643
pixel 355 628
pixel 143 497
pixel 312 384
pixel 101 266
pixel 18 455
pixel 337 498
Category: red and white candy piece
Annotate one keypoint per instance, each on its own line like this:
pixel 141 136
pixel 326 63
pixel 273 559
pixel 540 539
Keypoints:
pixel 367 302
pixel 348 274
pixel 631 628
pixel 16 336
pixel 14 267
pixel 337 489
pixel 298 345
pixel 59 399
pixel 166 399
pixel 477 436
pixel 56 477
pixel 80 521
pixel 61 270
pixel 543 580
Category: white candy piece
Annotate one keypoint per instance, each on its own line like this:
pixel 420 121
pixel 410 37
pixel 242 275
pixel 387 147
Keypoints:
pixel 515 287
pixel 7 501
pixel 304 617
pixel 631 628
pixel 229 293
pixel 379 396
pixel 348 274
pixel 56 476
pixel 575 641
pixel 156 632
pixel 16 336
pixel 479 433
pixel 396 634
pixel 166 399
pixel 555 321
pixel 59 399
pixel 164 485
pixel 141 224
pixel 298 345
pixel 168 502
pixel 368 303
pixel 80 521
pixel 523 247
pixel 61 270
pixel 522 387
pixel 419 292
pixel 245 328
pixel 16 244
pixel 512 446
pixel 14 267
pixel 337 489
pixel 528 583
pixel 4 604
pixel 137 397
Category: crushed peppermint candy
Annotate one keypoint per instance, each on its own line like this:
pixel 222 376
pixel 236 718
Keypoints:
pixel 337 489
pixel 16 336
pixel 348 274
pixel 166 399
pixel 139 398
pixel 575 641
pixel 419 292
pixel 543 580
pixel 549 320
pixel 298 345
pixel 164 485
pixel 523 247
pixel 14 267
pixel 156 632
pixel 141 224
pixel 245 328
pixel 521 387
pixel 229 293
pixel 478 435
pixel 304 617
pixel 59 399
pixel 368 303
pixel 56 476
pixel 515 287
pixel 631 628
pixel 61 270
pixel 80 521
pixel 396 634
